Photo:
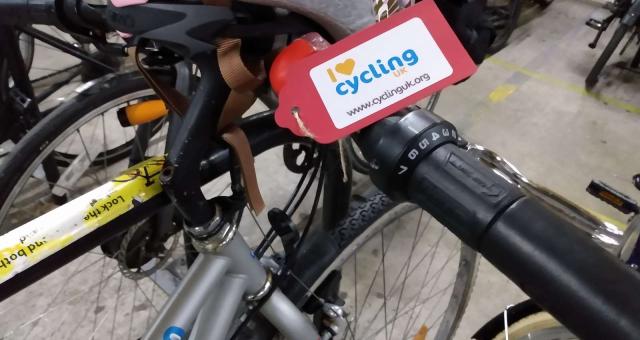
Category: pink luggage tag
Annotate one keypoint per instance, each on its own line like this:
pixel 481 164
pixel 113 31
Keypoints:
pixel 371 74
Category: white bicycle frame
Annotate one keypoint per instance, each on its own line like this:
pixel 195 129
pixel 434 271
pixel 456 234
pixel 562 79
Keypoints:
pixel 207 301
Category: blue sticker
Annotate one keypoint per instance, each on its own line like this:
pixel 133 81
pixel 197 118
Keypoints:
pixel 174 333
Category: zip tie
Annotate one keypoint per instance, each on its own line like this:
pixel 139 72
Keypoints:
pixel 343 160
pixel 296 114
pixel 506 322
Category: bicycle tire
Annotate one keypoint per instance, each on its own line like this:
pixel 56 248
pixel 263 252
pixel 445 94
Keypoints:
pixel 373 215
pixel 53 282
pixel 503 35
pixel 70 115
pixel 594 74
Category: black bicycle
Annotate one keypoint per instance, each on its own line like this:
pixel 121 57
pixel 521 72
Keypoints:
pixel 27 85
pixel 506 15
pixel 297 277
pixel 627 11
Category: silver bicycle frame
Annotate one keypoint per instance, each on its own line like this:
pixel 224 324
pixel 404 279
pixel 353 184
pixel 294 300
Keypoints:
pixel 207 300
pixel 619 239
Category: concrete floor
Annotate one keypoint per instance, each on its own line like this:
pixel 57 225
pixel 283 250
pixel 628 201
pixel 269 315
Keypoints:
pixel 528 104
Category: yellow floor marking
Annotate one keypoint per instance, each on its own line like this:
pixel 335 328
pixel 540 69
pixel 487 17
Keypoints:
pixel 564 85
pixel 422 333
pixel 500 93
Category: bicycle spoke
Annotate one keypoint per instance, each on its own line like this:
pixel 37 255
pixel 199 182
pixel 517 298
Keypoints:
pixel 133 306
pixel 404 312
pixel 366 297
pixel 349 331
pixel 393 286
pixel 439 272
pixel 104 148
pixel 60 305
pixel 355 294
pixel 52 183
pixel 95 330
pixel 86 150
pixel 104 259
pixel 406 273
pixel 115 308
pixel 434 285
pixel 146 297
pixel 153 291
pixel 51 302
pixel 384 286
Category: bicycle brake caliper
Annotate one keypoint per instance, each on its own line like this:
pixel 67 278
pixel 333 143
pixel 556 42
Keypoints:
pixel 334 321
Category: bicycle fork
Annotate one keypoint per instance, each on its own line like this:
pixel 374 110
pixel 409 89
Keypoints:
pixel 225 273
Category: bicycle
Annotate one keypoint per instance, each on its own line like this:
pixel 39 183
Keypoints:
pixel 475 201
pixel 27 88
pixel 627 11
pixel 24 99
pixel 505 16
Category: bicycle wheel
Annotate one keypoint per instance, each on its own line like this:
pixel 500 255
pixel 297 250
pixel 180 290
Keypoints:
pixel 400 271
pixel 71 150
pixel 594 74
pixel 503 17
pixel 525 321
pixel 98 297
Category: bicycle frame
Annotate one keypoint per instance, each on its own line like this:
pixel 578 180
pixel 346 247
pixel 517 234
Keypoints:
pixel 212 288
pixel 23 90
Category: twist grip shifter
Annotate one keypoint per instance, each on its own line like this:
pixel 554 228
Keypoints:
pixel 454 187
pixel 587 289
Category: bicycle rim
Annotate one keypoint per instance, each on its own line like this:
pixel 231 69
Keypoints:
pixel 91 298
pixel 33 189
pixel 403 272
pixel 537 326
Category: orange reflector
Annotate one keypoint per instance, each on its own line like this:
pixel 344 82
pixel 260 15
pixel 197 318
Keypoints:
pixel 422 333
pixel 141 113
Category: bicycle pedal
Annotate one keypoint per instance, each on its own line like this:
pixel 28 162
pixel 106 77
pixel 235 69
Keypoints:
pixel 614 198
pixel 19 100
pixel 595 24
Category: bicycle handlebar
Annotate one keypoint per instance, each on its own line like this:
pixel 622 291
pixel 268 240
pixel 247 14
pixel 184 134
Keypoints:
pixel 14 12
pixel 587 289
pixel 69 14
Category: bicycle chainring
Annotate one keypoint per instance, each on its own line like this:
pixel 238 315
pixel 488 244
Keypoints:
pixel 143 251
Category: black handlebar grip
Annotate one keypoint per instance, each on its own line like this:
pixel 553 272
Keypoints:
pixel 587 289
pixel 17 12
pixel 460 192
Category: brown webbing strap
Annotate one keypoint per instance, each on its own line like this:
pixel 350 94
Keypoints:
pixel 235 137
pixel 242 80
